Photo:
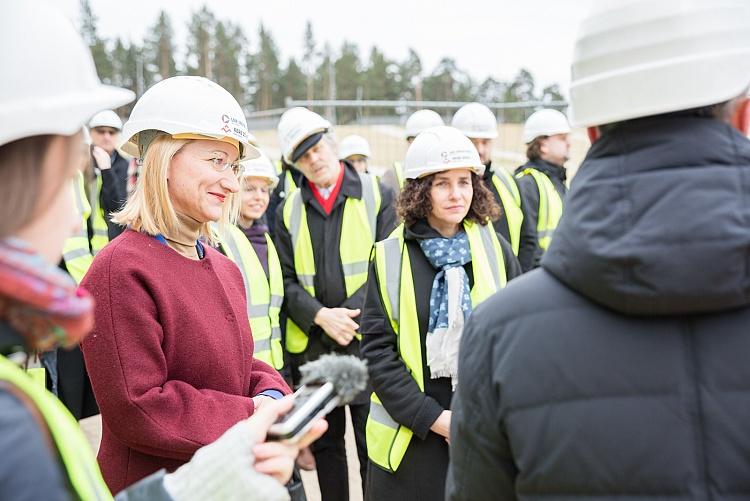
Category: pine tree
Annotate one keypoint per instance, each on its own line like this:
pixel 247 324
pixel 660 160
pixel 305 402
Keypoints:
pixel 159 51
pixel 310 59
pixel 293 81
pixel 410 77
pixel 230 42
pixel 348 79
pixel 97 45
pixel 448 83
pixel 520 90
pixel 267 72
pixel 200 50
pixel 380 81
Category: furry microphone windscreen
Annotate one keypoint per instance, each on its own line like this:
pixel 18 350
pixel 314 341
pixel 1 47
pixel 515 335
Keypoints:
pixel 347 373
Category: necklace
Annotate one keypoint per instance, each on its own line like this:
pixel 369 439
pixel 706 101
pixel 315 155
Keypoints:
pixel 178 242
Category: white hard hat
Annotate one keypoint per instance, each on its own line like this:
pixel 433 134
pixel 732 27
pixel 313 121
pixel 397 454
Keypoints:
pixel 50 84
pixel 421 120
pixel 438 149
pixel 106 118
pixel 476 121
pixel 296 125
pixel 354 145
pixel 546 122
pixel 186 106
pixel 261 167
pixel 635 59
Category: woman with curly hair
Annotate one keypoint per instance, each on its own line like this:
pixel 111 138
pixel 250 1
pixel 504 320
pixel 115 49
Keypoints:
pixel 424 281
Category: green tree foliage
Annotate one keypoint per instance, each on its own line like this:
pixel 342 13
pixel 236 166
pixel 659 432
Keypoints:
pixel 267 73
pixel 98 46
pixel 380 81
pixel 227 69
pixel 348 78
pixel 159 50
pixel 309 60
pixel 409 77
pixel 218 49
pixel 293 81
pixel 201 43
pixel 520 90
pixel 448 83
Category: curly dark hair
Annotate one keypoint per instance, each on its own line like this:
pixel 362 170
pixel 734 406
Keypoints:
pixel 414 201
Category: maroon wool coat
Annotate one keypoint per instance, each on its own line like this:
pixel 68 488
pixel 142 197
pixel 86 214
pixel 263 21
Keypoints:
pixel 170 357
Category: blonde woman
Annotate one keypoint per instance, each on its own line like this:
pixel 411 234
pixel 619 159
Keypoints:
pixel 171 355
pixel 249 245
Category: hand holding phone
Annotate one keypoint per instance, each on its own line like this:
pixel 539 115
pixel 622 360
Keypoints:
pixel 327 382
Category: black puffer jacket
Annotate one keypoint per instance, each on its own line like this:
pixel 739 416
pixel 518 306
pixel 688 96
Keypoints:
pixel 619 370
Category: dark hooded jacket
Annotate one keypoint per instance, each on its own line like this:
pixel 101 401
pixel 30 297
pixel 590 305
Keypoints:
pixel 620 369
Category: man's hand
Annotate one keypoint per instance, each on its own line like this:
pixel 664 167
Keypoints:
pixel 101 158
pixel 338 324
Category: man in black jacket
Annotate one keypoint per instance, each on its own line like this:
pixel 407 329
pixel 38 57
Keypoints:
pixel 340 214
pixel 619 369
pixel 105 129
pixel 542 180
pixel 479 124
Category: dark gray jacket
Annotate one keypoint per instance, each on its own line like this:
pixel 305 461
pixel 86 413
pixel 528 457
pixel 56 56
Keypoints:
pixel 531 254
pixel 527 242
pixel 619 370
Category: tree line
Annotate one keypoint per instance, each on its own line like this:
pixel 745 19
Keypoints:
pixel 258 78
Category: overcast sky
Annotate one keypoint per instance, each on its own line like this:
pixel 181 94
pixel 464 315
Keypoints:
pixel 484 37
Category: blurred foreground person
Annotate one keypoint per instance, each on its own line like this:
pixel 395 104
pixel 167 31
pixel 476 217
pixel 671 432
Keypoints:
pixel 45 454
pixel 619 369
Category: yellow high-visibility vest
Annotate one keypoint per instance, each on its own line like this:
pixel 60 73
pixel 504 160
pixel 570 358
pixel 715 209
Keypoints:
pixel 507 188
pixel 77 251
pixel 100 238
pixel 550 206
pixel 358 233
pixel 387 440
pixel 398 168
pixel 84 477
pixel 264 296
pixel 287 180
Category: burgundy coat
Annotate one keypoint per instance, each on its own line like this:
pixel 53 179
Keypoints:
pixel 170 357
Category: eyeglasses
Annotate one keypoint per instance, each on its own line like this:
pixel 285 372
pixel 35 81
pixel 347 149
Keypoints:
pixel 221 164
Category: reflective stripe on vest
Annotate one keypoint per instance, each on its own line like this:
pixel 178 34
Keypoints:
pixel 78 460
pixel 511 198
pixel 398 168
pixel 264 297
pixel 387 440
pixel 76 251
pixel 550 207
pixel 358 232
pixel 100 238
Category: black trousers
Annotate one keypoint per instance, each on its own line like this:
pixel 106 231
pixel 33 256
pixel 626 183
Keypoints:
pixel 330 452
pixel 73 384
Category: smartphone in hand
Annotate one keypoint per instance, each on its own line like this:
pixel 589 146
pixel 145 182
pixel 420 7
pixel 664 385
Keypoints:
pixel 311 401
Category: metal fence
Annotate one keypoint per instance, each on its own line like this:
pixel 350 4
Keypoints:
pixel 382 124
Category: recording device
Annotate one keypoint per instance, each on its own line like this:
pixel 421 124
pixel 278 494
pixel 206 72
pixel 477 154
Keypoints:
pixel 327 382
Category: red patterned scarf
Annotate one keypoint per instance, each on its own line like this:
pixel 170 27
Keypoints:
pixel 40 301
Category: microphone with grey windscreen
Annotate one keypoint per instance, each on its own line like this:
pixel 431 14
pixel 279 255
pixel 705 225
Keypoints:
pixel 329 381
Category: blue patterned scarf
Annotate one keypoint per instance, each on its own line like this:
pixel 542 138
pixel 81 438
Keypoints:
pixel 450 302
